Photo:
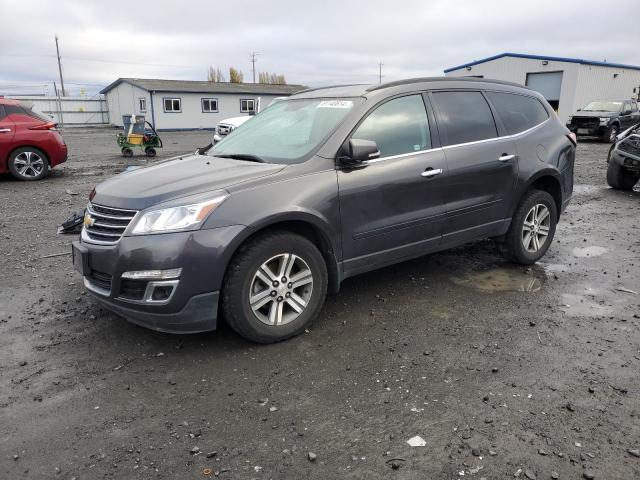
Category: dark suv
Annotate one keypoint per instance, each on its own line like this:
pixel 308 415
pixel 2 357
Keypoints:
pixel 319 187
pixel 604 119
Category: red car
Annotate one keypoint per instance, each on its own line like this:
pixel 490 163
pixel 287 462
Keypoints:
pixel 30 145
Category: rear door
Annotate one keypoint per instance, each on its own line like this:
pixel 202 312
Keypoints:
pixel 393 208
pixel 482 165
pixel 626 115
pixel 7 133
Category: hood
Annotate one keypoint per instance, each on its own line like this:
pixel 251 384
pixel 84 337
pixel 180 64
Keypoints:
pixel 583 113
pixel 235 121
pixel 189 175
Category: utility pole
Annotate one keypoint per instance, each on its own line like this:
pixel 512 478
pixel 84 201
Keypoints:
pixel 64 93
pixel 253 64
pixel 380 64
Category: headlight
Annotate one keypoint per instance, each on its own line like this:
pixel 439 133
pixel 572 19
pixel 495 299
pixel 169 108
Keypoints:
pixel 184 217
pixel 604 120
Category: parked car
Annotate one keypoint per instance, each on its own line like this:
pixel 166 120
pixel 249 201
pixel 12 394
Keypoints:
pixel 623 169
pixel 30 145
pixel 322 186
pixel 604 119
pixel 228 125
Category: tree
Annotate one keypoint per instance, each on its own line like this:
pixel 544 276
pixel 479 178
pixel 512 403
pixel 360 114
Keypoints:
pixel 235 76
pixel 215 75
pixel 271 78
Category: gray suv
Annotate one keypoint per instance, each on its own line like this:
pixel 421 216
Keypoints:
pixel 322 186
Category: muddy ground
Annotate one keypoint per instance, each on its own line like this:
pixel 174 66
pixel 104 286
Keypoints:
pixel 504 371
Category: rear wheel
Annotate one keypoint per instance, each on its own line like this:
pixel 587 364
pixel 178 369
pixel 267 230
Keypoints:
pixel 150 151
pixel 28 163
pixel 274 288
pixel 620 178
pixel 532 227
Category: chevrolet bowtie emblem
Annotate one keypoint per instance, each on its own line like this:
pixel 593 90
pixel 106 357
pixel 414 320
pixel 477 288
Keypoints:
pixel 88 221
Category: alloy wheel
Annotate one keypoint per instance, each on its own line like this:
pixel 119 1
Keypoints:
pixel 29 164
pixel 281 289
pixel 535 229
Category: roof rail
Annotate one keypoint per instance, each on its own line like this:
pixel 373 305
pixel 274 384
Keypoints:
pixel 330 86
pixel 409 81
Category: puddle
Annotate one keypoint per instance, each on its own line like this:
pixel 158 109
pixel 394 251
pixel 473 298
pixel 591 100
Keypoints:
pixel 583 306
pixel 500 280
pixel 586 252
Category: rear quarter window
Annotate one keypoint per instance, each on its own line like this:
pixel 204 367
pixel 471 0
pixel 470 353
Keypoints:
pixel 465 116
pixel 518 112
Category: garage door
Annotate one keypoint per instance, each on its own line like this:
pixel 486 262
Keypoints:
pixel 548 84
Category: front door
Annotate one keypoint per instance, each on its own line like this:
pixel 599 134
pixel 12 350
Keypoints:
pixel 482 166
pixel 393 207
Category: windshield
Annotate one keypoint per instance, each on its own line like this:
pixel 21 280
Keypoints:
pixel 287 131
pixel 603 107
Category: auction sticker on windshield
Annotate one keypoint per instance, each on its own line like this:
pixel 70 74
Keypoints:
pixel 336 104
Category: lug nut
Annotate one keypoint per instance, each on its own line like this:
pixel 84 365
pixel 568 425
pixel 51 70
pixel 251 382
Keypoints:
pixel 290 285
pixel 279 299
pixel 275 283
pixel 288 294
pixel 284 279
pixel 273 293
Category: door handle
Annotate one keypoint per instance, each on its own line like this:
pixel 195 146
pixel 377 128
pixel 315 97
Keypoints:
pixel 431 172
pixel 3 130
pixel 505 157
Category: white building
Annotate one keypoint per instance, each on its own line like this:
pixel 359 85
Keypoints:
pixel 566 83
pixel 186 104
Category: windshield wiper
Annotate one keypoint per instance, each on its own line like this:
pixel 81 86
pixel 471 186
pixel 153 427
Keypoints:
pixel 242 156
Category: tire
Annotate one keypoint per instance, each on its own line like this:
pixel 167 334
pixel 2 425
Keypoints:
pixel 150 152
pixel 611 134
pixel 242 278
pixel 517 235
pixel 620 178
pixel 127 152
pixel 28 164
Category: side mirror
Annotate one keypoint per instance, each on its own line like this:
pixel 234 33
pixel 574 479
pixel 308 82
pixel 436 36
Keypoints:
pixel 360 151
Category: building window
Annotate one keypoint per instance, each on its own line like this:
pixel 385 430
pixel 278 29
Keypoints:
pixel 172 105
pixel 247 105
pixel 209 105
pixel 142 103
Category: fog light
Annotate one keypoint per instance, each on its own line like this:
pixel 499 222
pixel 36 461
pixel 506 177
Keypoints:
pixel 153 274
pixel 161 293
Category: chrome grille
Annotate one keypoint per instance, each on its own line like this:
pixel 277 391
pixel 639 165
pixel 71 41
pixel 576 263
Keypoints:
pixel 105 225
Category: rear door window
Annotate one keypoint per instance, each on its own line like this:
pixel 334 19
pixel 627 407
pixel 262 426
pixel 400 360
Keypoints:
pixel 518 112
pixel 464 116
pixel 398 126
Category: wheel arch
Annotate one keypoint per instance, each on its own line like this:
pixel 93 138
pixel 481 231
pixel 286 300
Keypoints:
pixel 549 181
pixel 307 225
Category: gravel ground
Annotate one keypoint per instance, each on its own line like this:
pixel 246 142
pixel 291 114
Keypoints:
pixel 503 371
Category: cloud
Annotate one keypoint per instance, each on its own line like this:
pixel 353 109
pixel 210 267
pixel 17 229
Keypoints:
pixel 312 43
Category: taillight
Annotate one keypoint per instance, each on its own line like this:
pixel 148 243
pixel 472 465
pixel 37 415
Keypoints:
pixel 574 139
pixel 44 126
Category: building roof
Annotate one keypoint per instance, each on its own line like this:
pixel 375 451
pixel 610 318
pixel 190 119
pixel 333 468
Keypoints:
pixel 543 57
pixel 194 86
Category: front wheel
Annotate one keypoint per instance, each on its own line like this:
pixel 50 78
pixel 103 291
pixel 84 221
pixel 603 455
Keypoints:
pixel 532 227
pixel 611 134
pixel 274 288
pixel 620 178
pixel 150 152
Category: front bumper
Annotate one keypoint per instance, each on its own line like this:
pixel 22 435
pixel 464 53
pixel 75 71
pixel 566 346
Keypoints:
pixel 192 305
pixel 588 131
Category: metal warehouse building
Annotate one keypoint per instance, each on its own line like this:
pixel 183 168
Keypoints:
pixel 185 104
pixel 567 83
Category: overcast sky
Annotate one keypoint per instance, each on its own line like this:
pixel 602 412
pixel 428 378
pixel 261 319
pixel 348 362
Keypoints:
pixel 310 42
